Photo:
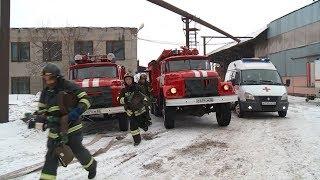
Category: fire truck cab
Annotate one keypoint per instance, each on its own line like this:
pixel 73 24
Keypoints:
pixel 102 79
pixel 184 82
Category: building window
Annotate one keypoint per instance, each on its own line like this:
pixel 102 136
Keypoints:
pixel 83 47
pixel 20 51
pixel 117 48
pixel 52 51
pixel 20 85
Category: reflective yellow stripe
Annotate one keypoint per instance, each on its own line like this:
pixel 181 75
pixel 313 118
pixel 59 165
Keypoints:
pixel 135 132
pixel 141 111
pixel 80 95
pixel 86 102
pixel 41 105
pixel 47 176
pixel 73 129
pixel 129 112
pixel 53 135
pixel 89 164
pixel 54 108
pixel 122 100
pixel 42 111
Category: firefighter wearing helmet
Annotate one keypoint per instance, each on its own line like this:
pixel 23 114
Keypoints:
pixel 146 90
pixel 62 147
pixel 134 102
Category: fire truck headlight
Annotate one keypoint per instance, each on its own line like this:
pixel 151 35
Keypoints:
pixel 226 87
pixel 173 90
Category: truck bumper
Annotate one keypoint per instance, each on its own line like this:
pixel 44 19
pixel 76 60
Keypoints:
pixel 111 110
pixel 201 100
pixel 256 106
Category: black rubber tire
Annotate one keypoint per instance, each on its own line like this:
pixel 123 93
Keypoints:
pixel 238 110
pixel 168 118
pixel 123 122
pixel 223 114
pixel 282 113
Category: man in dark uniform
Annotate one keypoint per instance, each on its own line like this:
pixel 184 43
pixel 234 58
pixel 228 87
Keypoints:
pixel 49 106
pixel 134 103
pixel 146 90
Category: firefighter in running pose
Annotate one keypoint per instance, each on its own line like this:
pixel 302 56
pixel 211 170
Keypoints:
pixel 146 90
pixel 72 138
pixel 134 102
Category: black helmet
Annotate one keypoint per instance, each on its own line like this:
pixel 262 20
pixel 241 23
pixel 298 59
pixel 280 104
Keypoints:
pixel 128 75
pixel 52 70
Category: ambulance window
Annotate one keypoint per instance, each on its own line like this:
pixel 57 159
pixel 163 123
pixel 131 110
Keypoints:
pixel 237 77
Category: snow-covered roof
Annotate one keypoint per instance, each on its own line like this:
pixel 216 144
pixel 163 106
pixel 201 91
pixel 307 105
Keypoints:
pixel 231 44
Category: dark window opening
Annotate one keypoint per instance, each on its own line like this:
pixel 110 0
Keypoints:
pixel 20 85
pixel 117 48
pixel 52 51
pixel 20 51
pixel 83 47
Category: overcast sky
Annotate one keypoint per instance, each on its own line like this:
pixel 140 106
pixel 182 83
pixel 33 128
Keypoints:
pixel 237 17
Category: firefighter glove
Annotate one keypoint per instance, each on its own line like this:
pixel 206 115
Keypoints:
pixel 74 114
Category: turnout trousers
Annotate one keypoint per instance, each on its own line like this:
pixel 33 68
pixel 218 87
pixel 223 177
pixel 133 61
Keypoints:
pixel 49 170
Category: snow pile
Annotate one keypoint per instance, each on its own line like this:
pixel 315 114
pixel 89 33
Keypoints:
pixel 20 104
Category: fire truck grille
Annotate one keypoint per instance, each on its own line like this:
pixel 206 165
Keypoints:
pixel 201 87
pixel 101 97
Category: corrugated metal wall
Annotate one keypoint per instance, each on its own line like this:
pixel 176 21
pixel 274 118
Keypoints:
pixel 296 19
pixel 292 62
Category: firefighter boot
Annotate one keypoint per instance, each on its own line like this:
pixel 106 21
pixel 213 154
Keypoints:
pixel 137 140
pixel 92 170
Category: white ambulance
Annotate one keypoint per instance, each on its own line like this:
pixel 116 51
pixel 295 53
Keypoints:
pixel 259 86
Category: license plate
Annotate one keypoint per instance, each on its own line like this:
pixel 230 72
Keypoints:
pixel 92 111
pixel 204 100
pixel 269 103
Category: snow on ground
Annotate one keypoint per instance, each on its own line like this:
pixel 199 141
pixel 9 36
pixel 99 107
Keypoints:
pixel 262 146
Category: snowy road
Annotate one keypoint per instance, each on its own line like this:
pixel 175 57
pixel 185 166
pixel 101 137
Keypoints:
pixel 263 146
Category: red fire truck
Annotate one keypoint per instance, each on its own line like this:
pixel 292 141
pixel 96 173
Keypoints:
pixel 102 79
pixel 184 82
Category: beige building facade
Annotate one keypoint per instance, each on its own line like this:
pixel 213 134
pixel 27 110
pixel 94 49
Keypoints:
pixel 32 48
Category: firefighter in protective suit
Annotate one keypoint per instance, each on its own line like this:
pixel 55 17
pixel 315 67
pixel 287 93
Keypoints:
pixel 72 138
pixel 146 90
pixel 134 102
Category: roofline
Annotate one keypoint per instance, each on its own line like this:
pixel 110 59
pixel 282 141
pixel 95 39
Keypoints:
pixel 57 28
pixel 317 1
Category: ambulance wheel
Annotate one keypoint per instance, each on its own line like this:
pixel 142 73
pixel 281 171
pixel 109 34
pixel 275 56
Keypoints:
pixel 282 113
pixel 238 110
pixel 123 122
pixel 168 117
pixel 223 114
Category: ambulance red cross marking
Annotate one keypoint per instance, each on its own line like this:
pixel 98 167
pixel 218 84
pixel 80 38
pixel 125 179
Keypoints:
pixel 266 89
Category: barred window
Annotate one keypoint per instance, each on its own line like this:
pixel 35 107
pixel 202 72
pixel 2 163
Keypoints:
pixel 20 85
pixel 20 51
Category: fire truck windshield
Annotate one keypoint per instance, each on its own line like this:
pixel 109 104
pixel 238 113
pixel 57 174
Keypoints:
pixel 95 72
pixel 190 64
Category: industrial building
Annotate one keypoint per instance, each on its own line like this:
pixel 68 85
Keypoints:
pixel 292 43
pixel 32 48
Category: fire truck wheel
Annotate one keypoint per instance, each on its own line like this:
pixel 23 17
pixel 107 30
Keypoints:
pixel 223 114
pixel 123 122
pixel 168 117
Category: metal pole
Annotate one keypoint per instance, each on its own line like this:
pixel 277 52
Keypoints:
pixel 4 59
pixel 191 17
pixel 187 32
pixel 204 45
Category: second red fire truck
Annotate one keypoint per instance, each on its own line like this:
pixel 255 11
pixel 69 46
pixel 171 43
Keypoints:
pixel 184 82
